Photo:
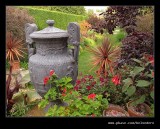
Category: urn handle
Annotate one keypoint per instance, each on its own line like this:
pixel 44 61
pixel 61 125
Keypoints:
pixel 30 28
pixel 74 38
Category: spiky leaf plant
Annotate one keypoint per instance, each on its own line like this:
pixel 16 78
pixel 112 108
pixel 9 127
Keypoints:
pixel 14 48
pixel 104 57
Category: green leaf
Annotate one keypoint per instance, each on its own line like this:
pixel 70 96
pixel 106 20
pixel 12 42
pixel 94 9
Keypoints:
pixel 137 70
pixel 138 101
pixel 152 94
pixel 143 83
pixel 32 96
pixel 43 103
pixel 131 90
pixel 136 60
pixel 127 83
pixel 69 86
pixel 149 75
pixel 25 79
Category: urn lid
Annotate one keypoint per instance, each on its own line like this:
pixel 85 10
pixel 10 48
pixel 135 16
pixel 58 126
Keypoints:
pixel 49 32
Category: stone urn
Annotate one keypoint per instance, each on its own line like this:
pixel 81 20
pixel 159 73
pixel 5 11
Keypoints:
pixel 52 49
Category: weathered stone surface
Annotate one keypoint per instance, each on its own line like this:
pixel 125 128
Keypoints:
pixel 52 53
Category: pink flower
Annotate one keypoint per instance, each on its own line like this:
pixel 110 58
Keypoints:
pixel 116 80
pixel 45 80
pixel 91 96
pixel 51 72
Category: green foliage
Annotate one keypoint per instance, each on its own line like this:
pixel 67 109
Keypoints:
pixel 138 101
pixel 78 104
pixel 139 84
pixel 130 90
pixel 18 109
pixel 24 65
pixel 61 19
pixel 143 83
pixel 7 64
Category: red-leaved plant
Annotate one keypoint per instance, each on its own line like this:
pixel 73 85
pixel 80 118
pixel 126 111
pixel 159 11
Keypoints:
pixel 103 57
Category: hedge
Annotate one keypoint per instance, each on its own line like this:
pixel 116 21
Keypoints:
pixel 61 19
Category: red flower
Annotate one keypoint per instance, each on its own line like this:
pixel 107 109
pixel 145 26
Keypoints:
pixel 64 90
pixel 93 83
pixel 93 115
pixel 88 87
pixel 90 77
pixel 76 88
pixel 151 59
pixel 63 94
pixel 45 80
pixel 78 82
pixel 83 80
pixel 101 79
pixel 51 72
pixel 116 80
pixel 153 74
pixel 70 92
pixel 91 96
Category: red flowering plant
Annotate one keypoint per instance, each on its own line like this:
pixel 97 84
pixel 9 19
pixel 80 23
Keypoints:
pixel 77 104
pixel 88 84
pixel 57 90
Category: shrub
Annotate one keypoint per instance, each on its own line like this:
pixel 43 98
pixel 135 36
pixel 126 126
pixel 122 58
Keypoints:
pixel 61 19
pixel 16 19
pixel 134 46
pixel 78 10
pixel 122 16
pixel 96 23
pixel 145 23
pixel 84 27
pixel 138 80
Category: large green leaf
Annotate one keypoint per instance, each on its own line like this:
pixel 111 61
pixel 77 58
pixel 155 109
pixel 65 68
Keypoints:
pixel 127 83
pixel 143 83
pixel 32 96
pixel 25 79
pixel 131 90
pixel 136 60
pixel 152 94
pixel 137 70
pixel 138 101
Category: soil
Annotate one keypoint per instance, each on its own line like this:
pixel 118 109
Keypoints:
pixel 35 111
pixel 114 113
pixel 139 109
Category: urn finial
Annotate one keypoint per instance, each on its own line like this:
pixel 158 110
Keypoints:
pixel 50 22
